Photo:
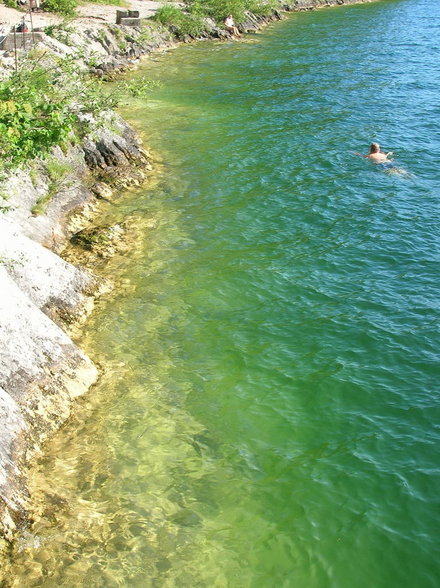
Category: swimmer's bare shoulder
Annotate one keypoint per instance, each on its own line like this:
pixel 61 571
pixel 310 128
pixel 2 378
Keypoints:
pixel 376 154
pixel 378 157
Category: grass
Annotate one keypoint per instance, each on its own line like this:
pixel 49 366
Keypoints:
pixel 58 173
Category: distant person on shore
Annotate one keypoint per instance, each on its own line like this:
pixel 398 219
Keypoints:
pixel 230 26
pixel 376 154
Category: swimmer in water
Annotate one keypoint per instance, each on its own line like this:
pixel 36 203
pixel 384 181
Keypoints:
pixel 381 158
pixel 376 154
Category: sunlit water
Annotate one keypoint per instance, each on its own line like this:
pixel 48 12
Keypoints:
pixel 269 411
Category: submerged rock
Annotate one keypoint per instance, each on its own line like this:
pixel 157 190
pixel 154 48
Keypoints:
pixel 42 371
pixel 100 241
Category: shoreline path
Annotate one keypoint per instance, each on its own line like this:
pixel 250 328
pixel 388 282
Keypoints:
pixel 85 13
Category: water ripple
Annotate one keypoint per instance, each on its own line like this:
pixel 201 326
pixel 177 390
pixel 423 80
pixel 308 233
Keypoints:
pixel 269 414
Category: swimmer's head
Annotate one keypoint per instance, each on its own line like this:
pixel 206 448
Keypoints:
pixel 374 148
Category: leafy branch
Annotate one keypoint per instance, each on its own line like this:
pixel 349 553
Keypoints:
pixel 44 104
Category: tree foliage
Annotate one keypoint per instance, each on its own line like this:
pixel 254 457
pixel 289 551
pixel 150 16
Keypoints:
pixel 180 22
pixel 44 103
pixel 64 7
pixel 191 20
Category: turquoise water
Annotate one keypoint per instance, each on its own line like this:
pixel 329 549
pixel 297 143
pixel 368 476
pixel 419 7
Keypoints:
pixel 269 415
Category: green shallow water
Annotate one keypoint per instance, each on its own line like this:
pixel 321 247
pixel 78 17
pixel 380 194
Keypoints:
pixel 269 412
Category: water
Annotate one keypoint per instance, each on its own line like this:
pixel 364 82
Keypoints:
pixel 269 411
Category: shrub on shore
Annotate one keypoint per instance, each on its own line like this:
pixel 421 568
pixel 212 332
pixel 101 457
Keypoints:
pixel 45 103
pixel 64 7
pixel 219 9
pixel 191 21
pixel 181 23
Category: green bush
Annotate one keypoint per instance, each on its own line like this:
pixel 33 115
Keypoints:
pixel 65 7
pixel 11 3
pixel 112 2
pixel 58 173
pixel 45 104
pixel 182 23
pixel 33 117
pixel 263 8
pixel 219 9
pixel 61 32
pixel 168 14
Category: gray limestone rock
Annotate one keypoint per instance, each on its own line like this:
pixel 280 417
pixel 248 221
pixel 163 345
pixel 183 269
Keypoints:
pixel 41 372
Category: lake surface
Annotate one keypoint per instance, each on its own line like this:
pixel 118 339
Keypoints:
pixel 269 414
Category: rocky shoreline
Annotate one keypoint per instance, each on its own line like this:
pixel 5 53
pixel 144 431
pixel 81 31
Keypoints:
pixel 42 370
